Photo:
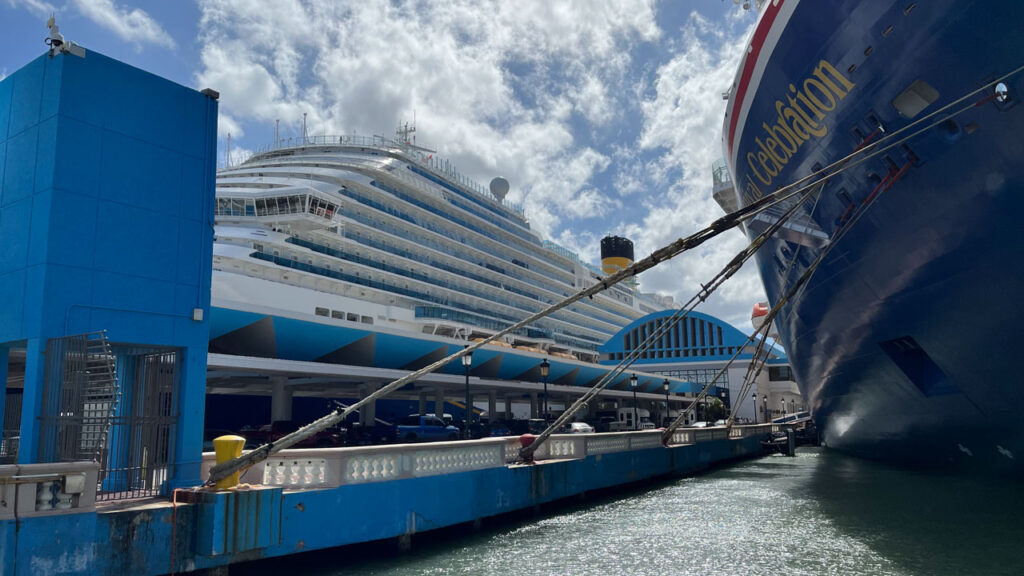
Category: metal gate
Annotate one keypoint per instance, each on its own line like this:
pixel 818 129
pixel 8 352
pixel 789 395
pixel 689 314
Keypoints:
pixel 130 430
pixel 79 398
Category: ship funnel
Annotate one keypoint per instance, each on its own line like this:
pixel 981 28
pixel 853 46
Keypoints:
pixel 616 254
pixel 499 187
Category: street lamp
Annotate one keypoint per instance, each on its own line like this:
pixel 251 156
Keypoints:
pixel 668 413
pixel 783 402
pixel 753 398
pixel 633 382
pixel 764 408
pixel 544 369
pixel 792 406
pixel 467 361
pixel 725 409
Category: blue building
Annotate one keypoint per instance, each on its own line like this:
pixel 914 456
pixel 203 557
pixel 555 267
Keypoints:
pixel 106 208
pixel 692 352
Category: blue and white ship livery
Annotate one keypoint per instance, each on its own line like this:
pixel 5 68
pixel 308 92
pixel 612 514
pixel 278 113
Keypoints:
pixel 904 339
pixel 351 231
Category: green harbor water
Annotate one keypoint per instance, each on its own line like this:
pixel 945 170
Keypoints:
pixel 817 513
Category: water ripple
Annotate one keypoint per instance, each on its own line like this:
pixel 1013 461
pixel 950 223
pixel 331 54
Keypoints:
pixel 817 514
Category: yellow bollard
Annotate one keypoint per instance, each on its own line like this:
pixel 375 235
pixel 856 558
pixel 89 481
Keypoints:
pixel 228 448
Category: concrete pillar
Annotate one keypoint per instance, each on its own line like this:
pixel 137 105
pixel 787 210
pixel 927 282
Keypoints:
pixel 492 406
pixel 4 355
pixel 508 407
pixel 368 413
pixel 32 401
pixel 534 408
pixel 371 408
pixel 439 403
pixel 423 403
pixel 191 422
pixel 280 399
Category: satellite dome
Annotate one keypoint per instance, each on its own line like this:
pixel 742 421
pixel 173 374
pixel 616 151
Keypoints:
pixel 499 187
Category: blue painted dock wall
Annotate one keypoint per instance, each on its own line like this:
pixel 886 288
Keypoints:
pixel 106 222
pixel 221 528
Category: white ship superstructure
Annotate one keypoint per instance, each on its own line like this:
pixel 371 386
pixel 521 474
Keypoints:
pixel 375 231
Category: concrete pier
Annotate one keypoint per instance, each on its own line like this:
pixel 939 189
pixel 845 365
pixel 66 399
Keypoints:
pixel 322 498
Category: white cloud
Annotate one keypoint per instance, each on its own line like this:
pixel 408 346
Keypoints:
pixel 495 87
pixel 38 7
pixel 683 122
pixel 134 25
pixel 548 95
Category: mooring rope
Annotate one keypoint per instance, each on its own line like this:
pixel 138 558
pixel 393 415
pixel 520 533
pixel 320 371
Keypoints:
pixel 719 226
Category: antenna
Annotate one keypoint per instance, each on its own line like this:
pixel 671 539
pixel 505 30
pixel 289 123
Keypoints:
pixel 227 160
pixel 57 43
pixel 403 132
pixel 304 138
pixel 277 139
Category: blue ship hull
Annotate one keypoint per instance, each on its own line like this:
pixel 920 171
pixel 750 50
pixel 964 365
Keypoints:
pixel 903 342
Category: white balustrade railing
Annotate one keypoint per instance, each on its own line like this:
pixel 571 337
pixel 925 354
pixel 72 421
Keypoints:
pixel 47 489
pixel 333 467
pixel 681 436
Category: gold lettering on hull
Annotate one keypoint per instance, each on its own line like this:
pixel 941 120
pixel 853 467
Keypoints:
pixel 800 117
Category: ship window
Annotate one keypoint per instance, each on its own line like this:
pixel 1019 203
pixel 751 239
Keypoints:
pixel 366 319
pixel 339 314
pixel 915 98
pixel 779 373
pixel 322 311
pixel 352 317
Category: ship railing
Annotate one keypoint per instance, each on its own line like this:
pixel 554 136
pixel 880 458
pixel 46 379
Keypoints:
pixel 50 489
pixel 333 467
pixel 420 156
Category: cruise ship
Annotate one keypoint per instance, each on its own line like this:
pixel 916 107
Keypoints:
pixel 904 340
pixel 379 231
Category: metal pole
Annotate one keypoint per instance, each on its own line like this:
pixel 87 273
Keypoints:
pixel 754 397
pixel 668 411
pixel 636 422
pixel 633 380
pixel 467 361
pixel 544 368
pixel 545 399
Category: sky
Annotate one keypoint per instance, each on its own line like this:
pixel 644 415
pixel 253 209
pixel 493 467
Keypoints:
pixel 604 115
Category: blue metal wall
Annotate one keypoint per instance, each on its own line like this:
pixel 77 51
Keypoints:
pixel 106 209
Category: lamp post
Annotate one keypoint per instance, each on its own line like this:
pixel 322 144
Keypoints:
pixel 764 408
pixel 668 412
pixel 725 409
pixel 783 402
pixel 633 382
pixel 753 398
pixel 467 361
pixel 544 369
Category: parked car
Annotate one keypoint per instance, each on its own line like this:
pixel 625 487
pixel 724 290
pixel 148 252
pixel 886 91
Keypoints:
pixel 417 427
pixel 329 438
pixel 579 428
pixel 209 435
pixel 500 428
pixel 536 425
pixel 359 435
